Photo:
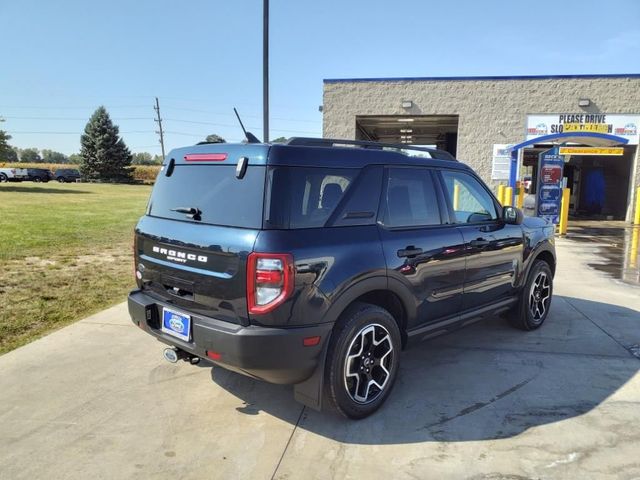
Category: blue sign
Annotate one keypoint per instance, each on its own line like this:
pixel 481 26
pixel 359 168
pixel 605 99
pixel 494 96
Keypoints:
pixel 549 191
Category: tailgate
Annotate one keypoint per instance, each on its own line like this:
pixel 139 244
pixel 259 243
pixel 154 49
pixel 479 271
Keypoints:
pixel 200 268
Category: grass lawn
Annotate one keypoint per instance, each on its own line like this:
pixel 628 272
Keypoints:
pixel 65 252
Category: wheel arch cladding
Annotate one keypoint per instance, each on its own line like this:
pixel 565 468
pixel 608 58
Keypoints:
pixel 547 256
pixel 390 302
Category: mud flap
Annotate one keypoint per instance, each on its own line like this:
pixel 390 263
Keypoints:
pixel 311 391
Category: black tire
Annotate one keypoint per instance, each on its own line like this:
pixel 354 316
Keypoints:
pixel 371 333
pixel 3 178
pixel 61 179
pixel 535 298
pixel 37 179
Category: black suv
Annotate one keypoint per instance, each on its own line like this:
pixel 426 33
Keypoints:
pixel 66 175
pixel 39 174
pixel 316 262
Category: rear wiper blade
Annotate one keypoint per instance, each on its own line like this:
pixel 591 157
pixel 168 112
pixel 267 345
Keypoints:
pixel 191 212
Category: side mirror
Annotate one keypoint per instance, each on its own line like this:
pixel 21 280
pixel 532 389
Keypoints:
pixel 512 215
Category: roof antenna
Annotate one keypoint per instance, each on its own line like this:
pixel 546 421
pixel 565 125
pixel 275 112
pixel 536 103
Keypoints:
pixel 251 138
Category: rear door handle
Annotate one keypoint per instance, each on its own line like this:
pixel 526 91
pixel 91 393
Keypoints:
pixel 479 243
pixel 409 251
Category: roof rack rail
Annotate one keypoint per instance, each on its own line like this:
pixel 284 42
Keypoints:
pixel 333 142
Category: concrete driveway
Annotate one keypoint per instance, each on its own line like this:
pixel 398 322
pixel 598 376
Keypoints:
pixel 96 400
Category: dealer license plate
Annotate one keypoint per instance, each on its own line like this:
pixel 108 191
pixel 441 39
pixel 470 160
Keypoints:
pixel 176 324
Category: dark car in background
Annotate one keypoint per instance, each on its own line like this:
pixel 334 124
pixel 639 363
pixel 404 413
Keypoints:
pixel 315 263
pixel 64 175
pixel 39 174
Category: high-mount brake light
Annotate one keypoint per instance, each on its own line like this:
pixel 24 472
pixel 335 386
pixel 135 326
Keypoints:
pixel 270 279
pixel 205 157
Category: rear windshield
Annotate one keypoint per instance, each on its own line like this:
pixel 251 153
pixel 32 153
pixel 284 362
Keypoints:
pixel 215 191
pixel 304 197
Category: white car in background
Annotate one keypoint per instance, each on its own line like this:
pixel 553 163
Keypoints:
pixel 13 174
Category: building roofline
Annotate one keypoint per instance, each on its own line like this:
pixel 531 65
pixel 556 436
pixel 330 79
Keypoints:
pixel 480 78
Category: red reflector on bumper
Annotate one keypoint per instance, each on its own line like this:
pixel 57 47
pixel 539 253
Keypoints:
pixel 311 341
pixel 214 355
pixel 205 157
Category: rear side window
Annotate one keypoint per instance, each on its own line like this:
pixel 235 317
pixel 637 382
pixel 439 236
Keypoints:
pixel 304 197
pixel 215 191
pixel 410 199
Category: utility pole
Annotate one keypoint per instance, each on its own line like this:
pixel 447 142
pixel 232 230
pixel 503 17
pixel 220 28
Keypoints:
pixel 159 120
pixel 265 70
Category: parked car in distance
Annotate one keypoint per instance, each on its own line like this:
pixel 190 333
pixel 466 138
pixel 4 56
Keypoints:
pixel 13 174
pixel 315 262
pixel 39 174
pixel 67 175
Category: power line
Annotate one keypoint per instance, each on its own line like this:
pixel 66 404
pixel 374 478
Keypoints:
pixel 67 107
pixel 118 119
pixel 71 118
pixel 71 133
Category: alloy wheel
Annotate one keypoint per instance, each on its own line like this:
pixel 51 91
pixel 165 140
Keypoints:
pixel 368 363
pixel 539 296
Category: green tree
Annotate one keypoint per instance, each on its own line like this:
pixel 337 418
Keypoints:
pixel 104 154
pixel 213 138
pixel 51 156
pixel 10 155
pixel 75 158
pixel 141 158
pixel 30 155
pixel 279 140
pixel 6 151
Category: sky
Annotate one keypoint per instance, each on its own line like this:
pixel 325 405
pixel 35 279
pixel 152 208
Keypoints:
pixel 63 59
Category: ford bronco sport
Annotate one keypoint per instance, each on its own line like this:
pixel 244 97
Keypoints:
pixel 316 262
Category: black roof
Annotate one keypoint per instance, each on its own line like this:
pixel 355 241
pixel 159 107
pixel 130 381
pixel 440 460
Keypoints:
pixel 334 142
pixel 356 154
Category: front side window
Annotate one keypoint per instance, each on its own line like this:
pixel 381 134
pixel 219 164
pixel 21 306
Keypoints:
pixel 470 200
pixel 410 199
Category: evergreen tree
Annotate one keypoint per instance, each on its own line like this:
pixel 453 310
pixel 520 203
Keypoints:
pixel 104 154
pixel 7 153
pixel 213 138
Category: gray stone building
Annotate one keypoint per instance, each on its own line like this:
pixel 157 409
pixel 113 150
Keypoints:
pixel 474 117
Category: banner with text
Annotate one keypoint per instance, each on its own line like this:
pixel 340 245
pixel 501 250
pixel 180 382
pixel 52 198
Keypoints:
pixel 549 196
pixel 625 126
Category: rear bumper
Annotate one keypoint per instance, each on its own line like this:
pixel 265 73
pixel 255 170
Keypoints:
pixel 276 355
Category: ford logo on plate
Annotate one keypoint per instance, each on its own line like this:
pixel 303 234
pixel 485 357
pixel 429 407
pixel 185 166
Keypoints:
pixel 176 324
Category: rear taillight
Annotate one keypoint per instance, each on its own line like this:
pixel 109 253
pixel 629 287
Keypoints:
pixel 270 278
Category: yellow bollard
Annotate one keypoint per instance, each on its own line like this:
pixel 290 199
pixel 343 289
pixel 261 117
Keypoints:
pixel 564 211
pixel 508 197
pixel 520 196
pixel 636 220
pixel 633 257
pixel 501 194
pixel 456 197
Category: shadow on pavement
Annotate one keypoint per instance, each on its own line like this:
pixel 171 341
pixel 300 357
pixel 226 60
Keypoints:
pixel 487 381
pixel 18 189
